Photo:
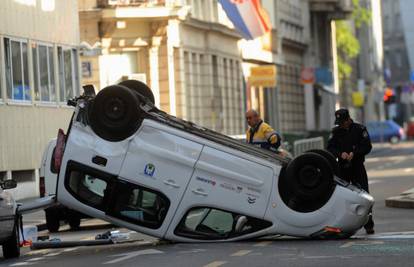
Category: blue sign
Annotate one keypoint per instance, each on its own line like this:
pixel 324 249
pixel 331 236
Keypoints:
pixel 412 76
pixel 324 76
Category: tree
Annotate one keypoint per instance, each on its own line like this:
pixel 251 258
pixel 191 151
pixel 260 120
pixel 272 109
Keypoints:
pixel 348 46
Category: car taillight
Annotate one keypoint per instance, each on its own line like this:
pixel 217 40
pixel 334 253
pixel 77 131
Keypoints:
pixel 401 132
pixel 59 149
pixel 42 187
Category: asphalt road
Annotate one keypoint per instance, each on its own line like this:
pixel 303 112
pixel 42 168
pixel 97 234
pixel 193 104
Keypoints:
pixel 391 171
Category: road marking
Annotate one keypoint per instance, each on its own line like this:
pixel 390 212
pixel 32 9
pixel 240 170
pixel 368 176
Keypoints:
pixel 241 253
pixel 36 259
pixel 53 254
pixel 368 243
pixel 126 256
pixel 262 244
pixel 22 263
pixel 215 264
pixel 408 170
pixel 196 250
pixel 69 249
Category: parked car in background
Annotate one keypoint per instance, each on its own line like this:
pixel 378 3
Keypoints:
pixel 410 128
pixel 9 221
pixel 385 131
pixel 47 187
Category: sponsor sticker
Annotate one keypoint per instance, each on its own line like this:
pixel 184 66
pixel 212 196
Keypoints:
pixel 251 200
pixel 231 187
pixel 149 169
pixel 207 181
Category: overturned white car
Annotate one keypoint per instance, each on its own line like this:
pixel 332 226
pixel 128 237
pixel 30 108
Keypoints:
pixel 127 162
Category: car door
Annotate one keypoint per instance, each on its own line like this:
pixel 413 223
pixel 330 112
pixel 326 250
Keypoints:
pixel 161 163
pixel 224 187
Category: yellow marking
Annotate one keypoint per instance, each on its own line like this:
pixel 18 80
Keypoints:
pixel 37 252
pixel 215 264
pixel 263 244
pixel 241 253
pixel 352 243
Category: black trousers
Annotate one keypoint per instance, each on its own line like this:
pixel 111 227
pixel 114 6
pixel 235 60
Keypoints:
pixel 356 174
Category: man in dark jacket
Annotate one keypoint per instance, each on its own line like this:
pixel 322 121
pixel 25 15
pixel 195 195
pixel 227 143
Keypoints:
pixel 350 143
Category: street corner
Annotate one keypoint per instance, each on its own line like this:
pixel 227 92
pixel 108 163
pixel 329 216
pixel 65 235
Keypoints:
pixel 405 200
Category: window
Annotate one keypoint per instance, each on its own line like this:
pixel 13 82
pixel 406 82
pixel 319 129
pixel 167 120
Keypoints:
pixel 68 73
pixel 17 76
pixel 88 188
pixel 120 199
pixel 139 205
pixel 44 73
pixel 215 224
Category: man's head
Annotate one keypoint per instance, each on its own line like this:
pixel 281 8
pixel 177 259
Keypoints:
pixel 252 117
pixel 342 118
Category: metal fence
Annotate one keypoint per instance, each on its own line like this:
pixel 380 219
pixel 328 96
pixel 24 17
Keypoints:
pixel 301 146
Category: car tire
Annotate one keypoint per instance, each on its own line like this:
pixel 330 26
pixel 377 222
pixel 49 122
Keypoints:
pixel 307 183
pixel 394 140
pixel 11 248
pixel 329 157
pixel 139 87
pixel 115 114
pixel 52 220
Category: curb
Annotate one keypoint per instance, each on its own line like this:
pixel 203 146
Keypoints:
pixel 403 202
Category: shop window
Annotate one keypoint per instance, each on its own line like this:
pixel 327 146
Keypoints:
pixel 17 76
pixel 68 73
pixel 215 224
pixel 44 73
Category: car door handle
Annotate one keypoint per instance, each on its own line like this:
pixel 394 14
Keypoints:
pixel 199 192
pixel 171 183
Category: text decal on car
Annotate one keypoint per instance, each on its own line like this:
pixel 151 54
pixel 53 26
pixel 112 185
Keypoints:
pixel 149 169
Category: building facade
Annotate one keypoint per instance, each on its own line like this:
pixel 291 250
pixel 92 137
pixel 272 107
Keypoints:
pixel 39 72
pixel 185 50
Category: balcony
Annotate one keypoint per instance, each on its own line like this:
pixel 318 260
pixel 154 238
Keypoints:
pixel 337 9
pixel 131 3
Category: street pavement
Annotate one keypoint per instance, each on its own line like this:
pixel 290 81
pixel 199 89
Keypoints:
pixel 390 170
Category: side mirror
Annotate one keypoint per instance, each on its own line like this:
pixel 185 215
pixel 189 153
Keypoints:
pixel 8 184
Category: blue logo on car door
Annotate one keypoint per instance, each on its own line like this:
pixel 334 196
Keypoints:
pixel 149 169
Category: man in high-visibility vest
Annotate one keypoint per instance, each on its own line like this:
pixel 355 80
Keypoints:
pixel 261 133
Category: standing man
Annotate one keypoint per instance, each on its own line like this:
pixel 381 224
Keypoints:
pixel 350 143
pixel 261 133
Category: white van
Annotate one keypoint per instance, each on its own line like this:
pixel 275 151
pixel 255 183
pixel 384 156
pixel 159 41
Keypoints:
pixel 47 187
pixel 126 162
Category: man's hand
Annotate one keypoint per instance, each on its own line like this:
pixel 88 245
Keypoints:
pixel 350 156
pixel 344 155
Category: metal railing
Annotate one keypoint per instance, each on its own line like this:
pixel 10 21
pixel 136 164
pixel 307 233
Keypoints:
pixel 301 146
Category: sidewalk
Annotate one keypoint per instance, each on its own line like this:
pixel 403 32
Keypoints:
pixel 405 200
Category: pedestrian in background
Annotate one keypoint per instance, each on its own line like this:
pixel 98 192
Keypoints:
pixel 260 133
pixel 350 143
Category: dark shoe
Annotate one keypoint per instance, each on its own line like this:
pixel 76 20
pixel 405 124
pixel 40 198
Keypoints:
pixel 370 231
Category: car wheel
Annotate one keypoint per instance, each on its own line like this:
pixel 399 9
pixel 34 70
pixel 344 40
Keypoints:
pixel 394 140
pixel 11 248
pixel 307 183
pixel 140 88
pixel 52 221
pixel 329 157
pixel 115 113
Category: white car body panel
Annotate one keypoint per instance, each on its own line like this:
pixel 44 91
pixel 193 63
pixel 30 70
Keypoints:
pixel 46 172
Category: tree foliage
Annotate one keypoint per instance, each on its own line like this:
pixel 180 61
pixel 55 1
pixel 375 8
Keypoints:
pixel 347 44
